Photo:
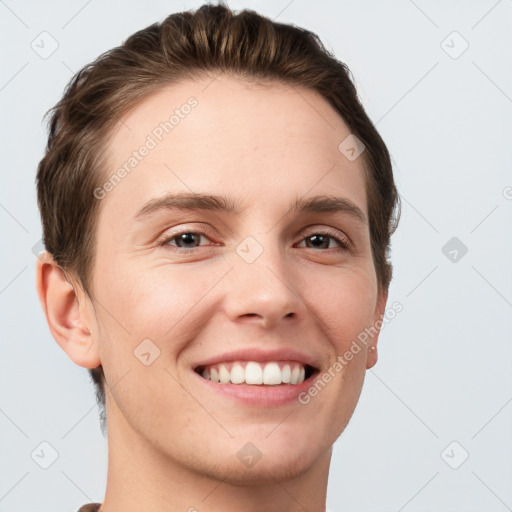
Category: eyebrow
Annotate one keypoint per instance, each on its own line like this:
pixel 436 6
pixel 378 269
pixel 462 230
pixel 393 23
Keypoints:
pixel 222 204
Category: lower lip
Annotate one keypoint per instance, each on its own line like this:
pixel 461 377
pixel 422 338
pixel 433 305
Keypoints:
pixel 260 395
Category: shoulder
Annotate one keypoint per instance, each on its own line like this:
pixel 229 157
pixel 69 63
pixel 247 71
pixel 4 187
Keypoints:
pixel 90 507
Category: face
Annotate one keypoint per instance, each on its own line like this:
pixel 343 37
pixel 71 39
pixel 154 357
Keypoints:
pixel 175 287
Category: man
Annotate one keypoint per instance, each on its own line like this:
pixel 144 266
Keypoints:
pixel 217 209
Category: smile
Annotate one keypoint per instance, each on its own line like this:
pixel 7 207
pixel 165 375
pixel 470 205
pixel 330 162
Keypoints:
pixel 271 373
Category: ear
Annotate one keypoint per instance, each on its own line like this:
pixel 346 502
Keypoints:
pixel 66 312
pixel 380 308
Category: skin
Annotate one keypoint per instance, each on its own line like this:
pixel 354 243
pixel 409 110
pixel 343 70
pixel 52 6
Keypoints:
pixel 173 443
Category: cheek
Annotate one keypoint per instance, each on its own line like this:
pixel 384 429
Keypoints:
pixel 344 305
pixel 157 311
pixel 151 301
pixel 147 317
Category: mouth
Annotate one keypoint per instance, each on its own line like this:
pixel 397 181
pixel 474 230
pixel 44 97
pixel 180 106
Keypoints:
pixel 261 385
pixel 253 373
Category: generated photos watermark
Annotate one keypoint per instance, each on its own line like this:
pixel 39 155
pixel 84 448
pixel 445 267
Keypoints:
pixel 342 360
pixel 152 140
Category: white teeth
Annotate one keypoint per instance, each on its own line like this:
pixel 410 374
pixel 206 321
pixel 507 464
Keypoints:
pixel 251 372
pixel 272 374
pixel 286 374
pixel 224 374
pixel 237 374
pixel 295 375
pixel 214 375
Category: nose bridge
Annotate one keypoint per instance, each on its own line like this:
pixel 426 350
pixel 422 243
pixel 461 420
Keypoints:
pixel 264 285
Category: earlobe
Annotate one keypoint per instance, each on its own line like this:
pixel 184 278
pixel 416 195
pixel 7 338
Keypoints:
pixel 65 318
pixel 372 356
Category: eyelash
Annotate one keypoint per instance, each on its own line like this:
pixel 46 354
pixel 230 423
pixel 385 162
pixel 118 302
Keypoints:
pixel 344 243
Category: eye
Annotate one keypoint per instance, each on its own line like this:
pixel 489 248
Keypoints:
pixel 184 239
pixel 321 240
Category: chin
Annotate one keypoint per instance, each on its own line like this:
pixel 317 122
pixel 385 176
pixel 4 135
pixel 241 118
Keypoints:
pixel 268 470
pixel 263 462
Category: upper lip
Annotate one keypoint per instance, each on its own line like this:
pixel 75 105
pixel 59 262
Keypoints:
pixel 259 355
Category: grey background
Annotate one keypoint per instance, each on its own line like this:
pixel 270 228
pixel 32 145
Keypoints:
pixel 444 371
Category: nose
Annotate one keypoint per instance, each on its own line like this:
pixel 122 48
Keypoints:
pixel 264 292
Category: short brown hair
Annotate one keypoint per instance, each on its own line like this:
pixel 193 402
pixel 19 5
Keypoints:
pixel 187 45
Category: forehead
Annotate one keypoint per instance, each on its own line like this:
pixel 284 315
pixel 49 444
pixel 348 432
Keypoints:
pixel 259 143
